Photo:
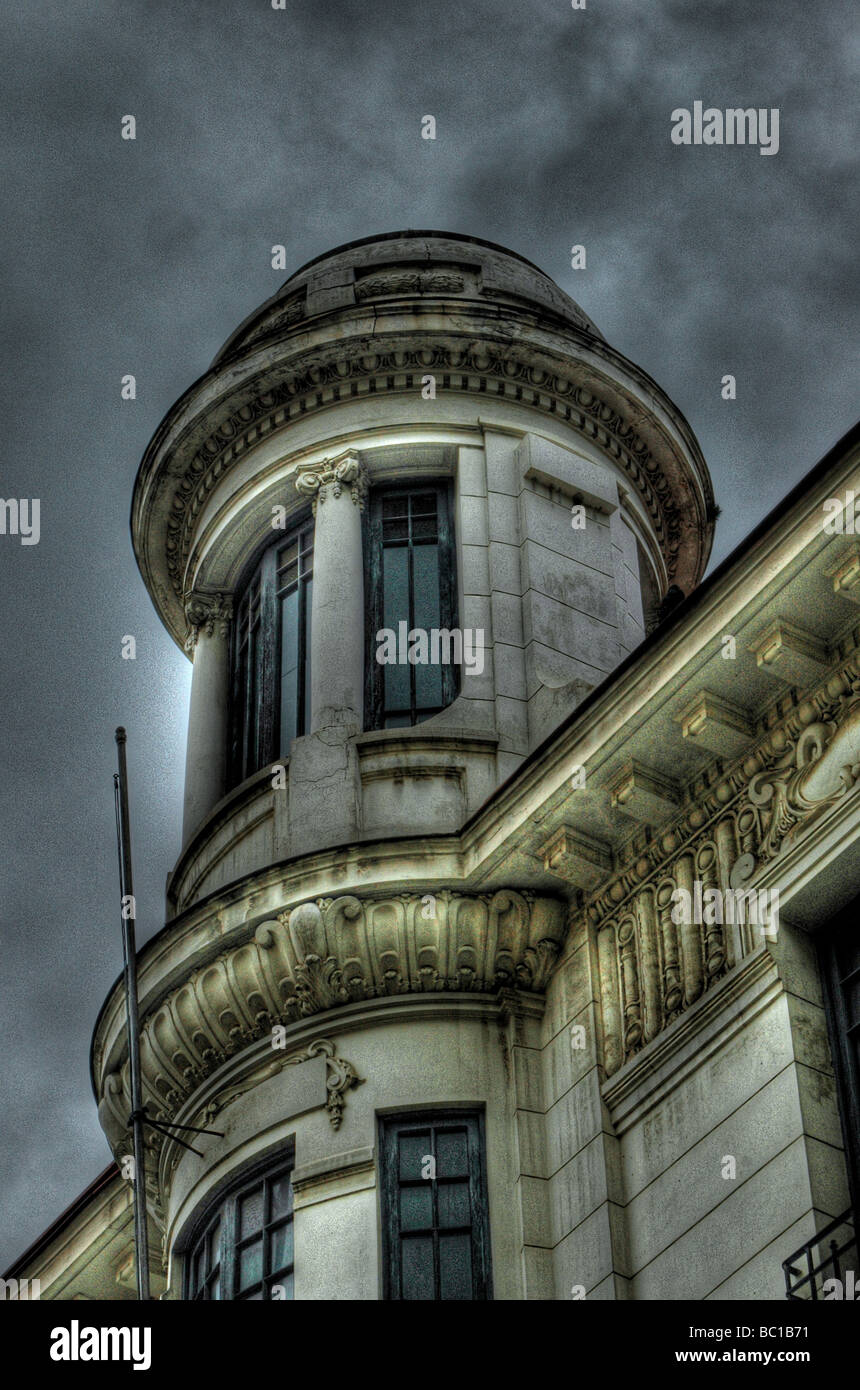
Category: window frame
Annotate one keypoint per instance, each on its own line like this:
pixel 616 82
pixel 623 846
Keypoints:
pixel 830 943
pixel 255 715
pixel 223 1208
pixel 389 1128
pixel 374 694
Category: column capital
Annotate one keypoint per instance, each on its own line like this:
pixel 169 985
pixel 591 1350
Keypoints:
pixel 204 613
pixel 344 471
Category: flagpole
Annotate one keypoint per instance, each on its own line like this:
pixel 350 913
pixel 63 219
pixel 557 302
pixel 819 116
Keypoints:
pixel 128 914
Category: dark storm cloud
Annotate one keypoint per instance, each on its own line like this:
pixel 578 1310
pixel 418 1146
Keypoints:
pixel 302 126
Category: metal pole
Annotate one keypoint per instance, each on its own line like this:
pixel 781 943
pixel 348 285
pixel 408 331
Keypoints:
pixel 141 1242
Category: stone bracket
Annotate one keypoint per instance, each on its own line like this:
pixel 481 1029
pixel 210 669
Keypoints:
pixel 715 724
pixel 789 654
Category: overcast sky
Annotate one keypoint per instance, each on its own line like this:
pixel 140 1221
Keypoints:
pixel 302 126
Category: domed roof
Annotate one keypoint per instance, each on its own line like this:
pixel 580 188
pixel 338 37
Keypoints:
pixel 407 264
pixel 369 319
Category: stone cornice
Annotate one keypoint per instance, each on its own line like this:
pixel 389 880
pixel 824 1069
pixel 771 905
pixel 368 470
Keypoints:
pixel 798 769
pixel 318 957
pixel 544 375
pixel 654 967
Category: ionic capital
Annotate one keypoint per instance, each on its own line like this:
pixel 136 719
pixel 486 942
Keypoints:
pixel 345 471
pixel 206 613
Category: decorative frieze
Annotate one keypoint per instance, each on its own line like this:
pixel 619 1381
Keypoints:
pixel 655 959
pixel 324 954
pixel 343 371
pixel 408 282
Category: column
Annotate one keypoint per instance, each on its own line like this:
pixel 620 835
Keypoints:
pixel 208 617
pixel 338 488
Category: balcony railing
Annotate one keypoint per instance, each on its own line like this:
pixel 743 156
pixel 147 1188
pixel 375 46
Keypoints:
pixel 831 1254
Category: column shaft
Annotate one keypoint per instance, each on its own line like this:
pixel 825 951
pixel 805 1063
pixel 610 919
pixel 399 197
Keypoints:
pixel 337 607
pixel 206 752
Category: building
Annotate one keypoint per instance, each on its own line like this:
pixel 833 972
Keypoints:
pixel 512 945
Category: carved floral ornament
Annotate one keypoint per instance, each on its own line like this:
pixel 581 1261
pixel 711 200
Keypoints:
pixel 327 953
pixel 651 967
pixel 341 374
pixel 341 1076
pixel 408 282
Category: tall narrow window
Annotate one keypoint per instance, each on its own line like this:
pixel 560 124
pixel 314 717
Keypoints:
pixel 434 1217
pixel 295 562
pixel 412 589
pixel 245 1250
pixel 271 655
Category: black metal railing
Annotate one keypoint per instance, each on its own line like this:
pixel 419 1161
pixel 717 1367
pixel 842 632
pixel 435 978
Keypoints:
pixel 825 1256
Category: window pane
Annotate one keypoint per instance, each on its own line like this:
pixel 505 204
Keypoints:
pixel 289 668
pixel 306 599
pixel 425 562
pixel 288 557
pixel 215 1287
pixel 251 1213
pixel 416 1208
pixel 428 679
pixel 214 1244
pixel 197 1274
pixel 395 586
pixel 253 711
pixel 281 1200
pixel 423 528
pixel 281 1288
pixel 416 1277
pixel 452 1153
pixel 251 1264
pixel 413 1148
pixel 455 1266
pixel 398 505
pixel 453 1200
pixel 306 560
pixel 423 504
pixel 281 1247
pixel 395 609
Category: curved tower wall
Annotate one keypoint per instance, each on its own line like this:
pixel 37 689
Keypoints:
pixel 578 495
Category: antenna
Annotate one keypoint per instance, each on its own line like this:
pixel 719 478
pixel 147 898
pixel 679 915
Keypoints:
pixel 138 1115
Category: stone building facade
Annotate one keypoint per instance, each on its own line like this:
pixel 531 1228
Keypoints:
pixel 534 976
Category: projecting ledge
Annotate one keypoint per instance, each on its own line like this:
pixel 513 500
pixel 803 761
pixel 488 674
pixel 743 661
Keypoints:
pixel 336 1175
